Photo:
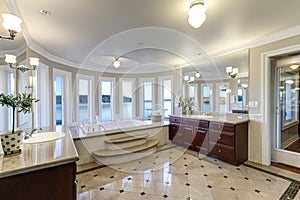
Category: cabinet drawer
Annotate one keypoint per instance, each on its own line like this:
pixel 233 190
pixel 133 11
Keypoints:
pixel 222 126
pixel 175 119
pixel 222 152
pixel 224 138
pixel 195 122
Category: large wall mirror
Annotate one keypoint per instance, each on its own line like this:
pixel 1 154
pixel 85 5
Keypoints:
pixel 215 90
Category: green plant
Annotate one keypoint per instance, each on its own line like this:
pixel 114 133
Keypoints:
pixel 186 103
pixel 23 102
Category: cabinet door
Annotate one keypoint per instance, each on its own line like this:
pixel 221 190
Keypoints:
pixel 175 134
pixel 200 142
pixel 188 135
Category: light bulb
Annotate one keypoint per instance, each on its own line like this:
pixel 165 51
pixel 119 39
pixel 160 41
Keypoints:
pixel 10 59
pixel 34 61
pixel 116 64
pixel 11 22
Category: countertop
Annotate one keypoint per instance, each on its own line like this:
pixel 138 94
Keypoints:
pixel 39 156
pixel 232 119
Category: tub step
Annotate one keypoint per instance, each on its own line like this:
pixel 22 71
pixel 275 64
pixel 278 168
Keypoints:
pixel 147 145
pixel 126 139
pixel 125 142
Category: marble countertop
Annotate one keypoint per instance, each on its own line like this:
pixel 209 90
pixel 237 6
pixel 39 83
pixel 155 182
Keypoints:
pixel 233 119
pixel 39 156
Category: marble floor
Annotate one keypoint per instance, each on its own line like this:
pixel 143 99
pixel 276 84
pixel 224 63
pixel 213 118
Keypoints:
pixel 174 174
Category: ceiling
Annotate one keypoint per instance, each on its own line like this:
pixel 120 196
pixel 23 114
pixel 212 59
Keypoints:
pixel 149 35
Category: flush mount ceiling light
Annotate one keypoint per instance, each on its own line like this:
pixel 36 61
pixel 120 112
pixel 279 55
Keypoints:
pixel 197 14
pixel 232 72
pixel 44 12
pixel 11 60
pixel 117 63
pixel 12 24
pixel 197 75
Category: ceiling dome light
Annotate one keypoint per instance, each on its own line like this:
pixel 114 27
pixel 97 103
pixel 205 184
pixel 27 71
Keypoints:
pixel 197 14
pixel 117 63
pixel 197 75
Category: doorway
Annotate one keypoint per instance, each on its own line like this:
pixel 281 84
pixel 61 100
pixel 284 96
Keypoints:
pixel 286 142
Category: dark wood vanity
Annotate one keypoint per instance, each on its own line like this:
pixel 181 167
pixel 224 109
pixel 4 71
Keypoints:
pixel 222 140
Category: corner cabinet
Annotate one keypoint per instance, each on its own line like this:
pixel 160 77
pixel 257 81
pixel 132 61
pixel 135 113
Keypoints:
pixel 225 141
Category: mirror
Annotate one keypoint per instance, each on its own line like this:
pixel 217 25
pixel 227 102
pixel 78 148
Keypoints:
pixel 213 89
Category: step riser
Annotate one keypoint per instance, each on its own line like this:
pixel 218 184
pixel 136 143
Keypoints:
pixel 125 157
pixel 123 145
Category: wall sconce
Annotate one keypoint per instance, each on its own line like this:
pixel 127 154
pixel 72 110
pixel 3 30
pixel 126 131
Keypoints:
pixel 12 24
pixel 197 14
pixel 117 63
pixel 232 72
pixel 11 60
pixel 186 78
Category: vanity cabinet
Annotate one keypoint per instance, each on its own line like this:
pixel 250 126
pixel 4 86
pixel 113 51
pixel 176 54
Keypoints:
pixel 225 141
pixel 229 142
pixel 175 134
pixel 190 133
pixel 56 182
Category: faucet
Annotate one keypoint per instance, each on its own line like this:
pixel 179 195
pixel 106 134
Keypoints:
pixel 101 127
pixel 29 134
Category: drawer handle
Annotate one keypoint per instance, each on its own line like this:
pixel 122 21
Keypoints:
pixel 219 150
pixel 220 127
pixel 219 137
pixel 173 128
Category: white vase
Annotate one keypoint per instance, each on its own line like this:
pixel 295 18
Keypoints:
pixel 12 143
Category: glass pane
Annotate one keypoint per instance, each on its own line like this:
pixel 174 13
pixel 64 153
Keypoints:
pixel 223 98
pixel 288 100
pixel 206 98
pixel 59 100
pixel 10 90
pixel 148 100
pixel 167 97
pixel 83 95
pixel 127 88
pixel 106 99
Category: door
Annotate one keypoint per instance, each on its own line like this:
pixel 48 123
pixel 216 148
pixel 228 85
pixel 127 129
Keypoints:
pixel 287 115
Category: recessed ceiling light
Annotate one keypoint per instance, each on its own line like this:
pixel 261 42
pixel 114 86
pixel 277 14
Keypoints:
pixel 44 12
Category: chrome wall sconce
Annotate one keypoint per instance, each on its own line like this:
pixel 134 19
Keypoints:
pixel 232 72
pixel 12 24
pixel 11 60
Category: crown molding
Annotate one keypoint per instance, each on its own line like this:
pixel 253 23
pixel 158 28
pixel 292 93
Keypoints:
pixel 19 51
pixel 290 32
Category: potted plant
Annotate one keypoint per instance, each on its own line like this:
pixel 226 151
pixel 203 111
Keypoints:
pixel 22 103
pixel 186 103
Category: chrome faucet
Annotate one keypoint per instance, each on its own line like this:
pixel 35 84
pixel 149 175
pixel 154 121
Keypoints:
pixel 29 134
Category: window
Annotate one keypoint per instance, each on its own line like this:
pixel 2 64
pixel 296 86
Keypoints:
pixel 193 93
pixel 206 101
pixel 106 99
pixel 127 98
pixel 61 95
pixel 146 97
pixel 166 95
pixel 222 97
pixel 85 112
pixel 40 83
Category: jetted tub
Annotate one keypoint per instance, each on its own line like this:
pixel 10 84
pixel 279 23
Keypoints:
pixel 112 125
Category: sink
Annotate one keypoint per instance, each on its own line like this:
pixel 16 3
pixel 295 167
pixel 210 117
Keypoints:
pixel 44 137
pixel 204 116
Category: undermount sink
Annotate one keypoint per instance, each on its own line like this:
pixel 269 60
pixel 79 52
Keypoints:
pixel 44 137
pixel 204 116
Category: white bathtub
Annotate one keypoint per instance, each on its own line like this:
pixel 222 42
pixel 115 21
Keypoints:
pixel 112 125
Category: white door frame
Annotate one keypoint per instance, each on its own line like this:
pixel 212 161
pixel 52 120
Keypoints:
pixel 268 122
